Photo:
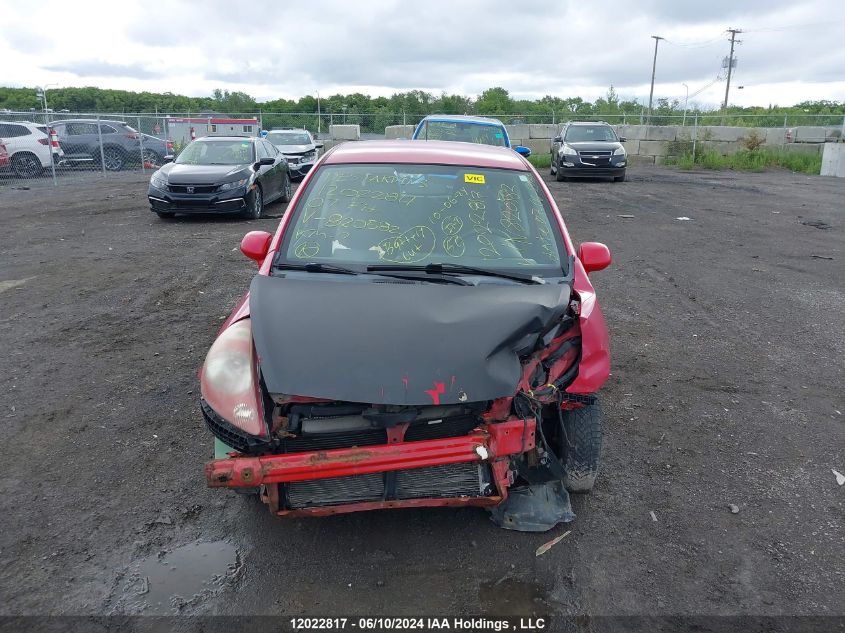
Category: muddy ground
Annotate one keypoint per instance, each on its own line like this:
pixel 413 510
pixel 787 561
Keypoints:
pixel 728 339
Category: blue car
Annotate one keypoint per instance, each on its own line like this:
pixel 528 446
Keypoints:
pixel 468 129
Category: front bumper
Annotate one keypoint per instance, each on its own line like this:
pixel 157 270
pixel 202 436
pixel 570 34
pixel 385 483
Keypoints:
pixel 575 167
pixel 299 169
pixel 169 202
pixel 490 444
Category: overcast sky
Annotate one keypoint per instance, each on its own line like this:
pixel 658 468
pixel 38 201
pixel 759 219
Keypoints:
pixel 790 51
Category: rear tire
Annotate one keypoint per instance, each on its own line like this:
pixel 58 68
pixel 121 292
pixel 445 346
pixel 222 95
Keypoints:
pixel 113 159
pixel 26 165
pixel 150 156
pixel 559 175
pixel 287 189
pixel 552 168
pixel 255 204
pixel 582 452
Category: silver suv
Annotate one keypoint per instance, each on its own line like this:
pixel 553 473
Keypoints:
pixel 299 148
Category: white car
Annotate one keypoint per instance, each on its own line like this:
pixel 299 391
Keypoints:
pixel 30 147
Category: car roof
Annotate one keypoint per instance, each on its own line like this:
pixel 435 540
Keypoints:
pixel 88 121
pixel 463 118
pixel 426 153
pixel 288 129
pixel 587 123
pixel 226 137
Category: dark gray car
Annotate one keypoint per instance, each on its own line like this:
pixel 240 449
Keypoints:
pixel 80 141
pixel 221 174
pixel 588 150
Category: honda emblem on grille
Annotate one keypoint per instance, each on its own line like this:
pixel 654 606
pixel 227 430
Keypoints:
pixel 190 189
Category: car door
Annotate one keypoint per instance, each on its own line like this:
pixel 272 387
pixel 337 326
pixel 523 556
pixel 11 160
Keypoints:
pixel 269 174
pixel 279 167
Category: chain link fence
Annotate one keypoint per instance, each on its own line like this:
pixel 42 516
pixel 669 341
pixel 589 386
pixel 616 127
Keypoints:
pixel 50 148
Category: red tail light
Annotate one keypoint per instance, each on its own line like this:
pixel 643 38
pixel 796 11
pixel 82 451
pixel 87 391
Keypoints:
pixel 132 135
pixel 43 141
pixel 54 138
pixel 169 144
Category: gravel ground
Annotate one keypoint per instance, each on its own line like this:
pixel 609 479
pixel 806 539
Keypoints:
pixel 724 418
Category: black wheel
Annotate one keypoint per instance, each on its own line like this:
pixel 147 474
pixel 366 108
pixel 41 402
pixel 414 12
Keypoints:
pixel 581 447
pixel 619 178
pixel 165 215
pixel 552 168
pixel 254 204
pixel 26 165
pixel 113 159
pixel 151 157
pixel 287 189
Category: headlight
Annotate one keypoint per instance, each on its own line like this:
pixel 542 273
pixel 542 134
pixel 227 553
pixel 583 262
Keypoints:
pixel 158 181
pixel 232 185
pixel 227 381
pixel 568 151
pixel 619 151
pixel 310 156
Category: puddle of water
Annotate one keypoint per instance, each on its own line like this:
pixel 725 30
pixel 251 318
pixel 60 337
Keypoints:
pixel 511 596
pixel 166 582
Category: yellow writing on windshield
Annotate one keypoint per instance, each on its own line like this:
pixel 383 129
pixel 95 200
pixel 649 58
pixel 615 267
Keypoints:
pixel 475 179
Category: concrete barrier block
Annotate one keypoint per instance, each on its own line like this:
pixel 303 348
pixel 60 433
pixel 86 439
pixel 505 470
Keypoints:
pixel 724 147
pixel 398 131
pixel 833 160
pixel 345 132
pixel 536 145
pixel 661 133
pixel 775 136
pixel 632 146
pixel 517 131
pixel 654 148
pixel 833 134
pixel 804 148
pixel 726 134
pixel 810 134
pixel 632 132
pixel 542 130
pixel 633 161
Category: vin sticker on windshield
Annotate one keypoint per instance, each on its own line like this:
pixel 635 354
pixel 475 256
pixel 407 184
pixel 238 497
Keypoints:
pixel 475 179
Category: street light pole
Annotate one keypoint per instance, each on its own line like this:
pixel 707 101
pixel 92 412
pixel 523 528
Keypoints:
pixel 657 39
pixel 686 100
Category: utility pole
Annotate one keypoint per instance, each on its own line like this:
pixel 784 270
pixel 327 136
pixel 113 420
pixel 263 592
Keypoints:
pixel 657 39
pixel 731 60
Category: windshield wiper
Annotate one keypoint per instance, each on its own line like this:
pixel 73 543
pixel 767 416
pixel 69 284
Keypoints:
pixel 456 269
pixel 317 267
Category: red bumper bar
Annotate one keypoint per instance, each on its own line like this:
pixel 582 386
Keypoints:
pixel 495 440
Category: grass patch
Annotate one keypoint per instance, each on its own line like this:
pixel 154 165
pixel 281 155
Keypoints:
pixel 751 160
pixel 540 160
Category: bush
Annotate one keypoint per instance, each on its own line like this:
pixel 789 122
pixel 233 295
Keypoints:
pixel 540 160
pixel 753 141
pixel 747 160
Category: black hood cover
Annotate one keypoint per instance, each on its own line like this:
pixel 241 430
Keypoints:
pixel 398 343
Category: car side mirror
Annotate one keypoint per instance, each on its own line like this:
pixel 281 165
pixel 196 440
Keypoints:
pixel 594 256
pixel 319 145
pixel 557 139
pixel 622 139
pixel 522 150
pixel 256 244
pixel 261 162
pixel 168 159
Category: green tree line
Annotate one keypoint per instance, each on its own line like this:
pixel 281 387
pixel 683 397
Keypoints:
pixel 382 111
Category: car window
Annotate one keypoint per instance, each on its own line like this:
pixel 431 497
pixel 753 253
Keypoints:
pixel 366 214
pixel 271 149
pixel 586 133
pixel 465 131
pixel 262 151
pixel 107 129
pixel 12 130
pixel 217 152
pixel 289 138
pixel 77 129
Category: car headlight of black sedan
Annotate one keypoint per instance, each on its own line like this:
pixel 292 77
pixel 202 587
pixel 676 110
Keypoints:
pixel 158 181
pixel 232 185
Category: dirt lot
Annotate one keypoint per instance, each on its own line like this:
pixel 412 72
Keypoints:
pixel 728 334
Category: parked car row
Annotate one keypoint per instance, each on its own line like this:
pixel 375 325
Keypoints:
pixel 33 147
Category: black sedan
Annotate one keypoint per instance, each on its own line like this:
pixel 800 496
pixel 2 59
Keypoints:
pixel 221 174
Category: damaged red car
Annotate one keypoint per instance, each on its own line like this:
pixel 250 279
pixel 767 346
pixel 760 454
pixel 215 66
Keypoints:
pixel 421 332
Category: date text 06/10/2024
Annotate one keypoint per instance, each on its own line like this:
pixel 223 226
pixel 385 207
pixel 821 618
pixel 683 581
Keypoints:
pixel 466 624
